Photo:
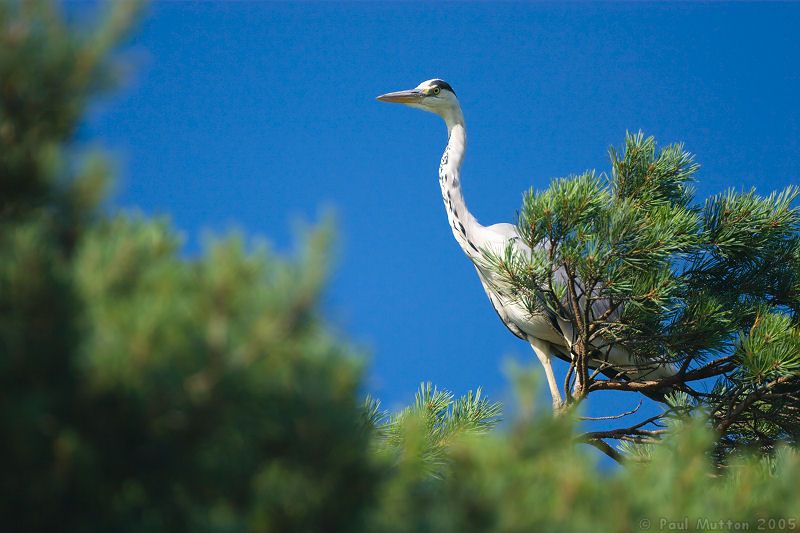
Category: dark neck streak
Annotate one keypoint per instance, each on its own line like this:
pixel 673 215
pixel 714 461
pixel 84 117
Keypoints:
pixel 465 227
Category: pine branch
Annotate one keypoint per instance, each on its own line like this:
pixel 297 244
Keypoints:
pixel 760 393
pixel 714 368
pixel 613 417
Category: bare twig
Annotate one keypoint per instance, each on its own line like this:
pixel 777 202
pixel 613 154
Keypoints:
pixel 749 400
pixel 623 434
pixel 634 433
pixel 604 447
pixel 568 379
pixel 612 417
pixel 602 366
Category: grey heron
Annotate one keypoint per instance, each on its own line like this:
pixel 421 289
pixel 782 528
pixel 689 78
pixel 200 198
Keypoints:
pixel 547 335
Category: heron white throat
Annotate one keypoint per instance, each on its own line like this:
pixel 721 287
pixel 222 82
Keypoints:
pixel 547 335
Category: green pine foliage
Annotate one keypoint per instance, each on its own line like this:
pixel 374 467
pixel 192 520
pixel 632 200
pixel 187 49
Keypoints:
pixel 431 424
pixel 533 478
pixel 143 390
pixel 709 290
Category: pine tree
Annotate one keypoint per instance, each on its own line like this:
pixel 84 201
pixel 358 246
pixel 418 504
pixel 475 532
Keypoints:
pixel 142 390
pixel 633 262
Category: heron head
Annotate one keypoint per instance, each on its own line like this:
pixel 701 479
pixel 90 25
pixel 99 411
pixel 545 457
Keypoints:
pixel 433 95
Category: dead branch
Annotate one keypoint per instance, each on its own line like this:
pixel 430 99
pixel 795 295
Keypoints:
pixel 612 417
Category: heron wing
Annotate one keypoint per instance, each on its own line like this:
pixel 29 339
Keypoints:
pixel 508 233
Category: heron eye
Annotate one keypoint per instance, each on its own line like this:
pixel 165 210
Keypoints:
pixel 436 90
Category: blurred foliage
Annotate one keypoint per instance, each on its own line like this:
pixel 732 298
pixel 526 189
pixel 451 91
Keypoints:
pixel 146 391
pixel 533 478
pixel 141 389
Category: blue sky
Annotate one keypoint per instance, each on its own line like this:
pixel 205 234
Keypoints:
pixel 254 116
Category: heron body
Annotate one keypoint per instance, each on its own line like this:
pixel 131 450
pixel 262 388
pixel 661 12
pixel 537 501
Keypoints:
pixel 547 335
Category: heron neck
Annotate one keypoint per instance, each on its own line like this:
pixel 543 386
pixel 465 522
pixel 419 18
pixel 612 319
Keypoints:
pixel 465 227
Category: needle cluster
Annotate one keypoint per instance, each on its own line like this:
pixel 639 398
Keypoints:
pixel 708 290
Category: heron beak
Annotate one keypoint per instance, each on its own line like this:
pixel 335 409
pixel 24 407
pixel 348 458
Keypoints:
pixel 412 96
